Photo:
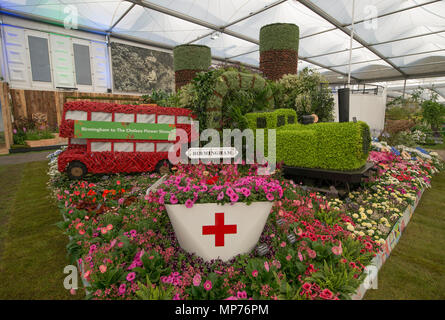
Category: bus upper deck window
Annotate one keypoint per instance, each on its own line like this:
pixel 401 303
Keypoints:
pixel 101 116
pixel 123 117
pixel 184 120
pixel 145 118
pixel 76 115
pixel 162 118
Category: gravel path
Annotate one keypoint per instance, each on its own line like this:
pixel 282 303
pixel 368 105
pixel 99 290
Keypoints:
pixel 24 157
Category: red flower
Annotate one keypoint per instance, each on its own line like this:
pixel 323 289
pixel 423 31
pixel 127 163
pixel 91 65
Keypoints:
pixel 326 294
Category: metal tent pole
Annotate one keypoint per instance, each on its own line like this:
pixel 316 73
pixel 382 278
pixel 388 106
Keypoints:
pixel 350 43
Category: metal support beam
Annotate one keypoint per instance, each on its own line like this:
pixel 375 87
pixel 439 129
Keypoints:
pixel 336 23
pixel 121 17
pixel 379 16
pixel 276 3
pixel 404 89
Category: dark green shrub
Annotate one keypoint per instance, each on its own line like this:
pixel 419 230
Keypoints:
pixel 306 93
pixel 433 113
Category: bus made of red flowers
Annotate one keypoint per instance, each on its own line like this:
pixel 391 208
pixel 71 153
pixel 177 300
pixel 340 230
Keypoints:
pixel 86 155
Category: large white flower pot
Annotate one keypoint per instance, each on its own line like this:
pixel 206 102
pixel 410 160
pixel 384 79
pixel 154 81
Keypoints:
pixel 238 228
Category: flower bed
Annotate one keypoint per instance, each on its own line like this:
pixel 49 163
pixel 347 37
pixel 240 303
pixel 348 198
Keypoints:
pixel 310 248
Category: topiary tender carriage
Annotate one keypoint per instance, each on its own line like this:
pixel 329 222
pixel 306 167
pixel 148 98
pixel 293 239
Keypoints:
pixel 333 146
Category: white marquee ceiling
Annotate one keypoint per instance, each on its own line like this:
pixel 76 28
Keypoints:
pixel 393 39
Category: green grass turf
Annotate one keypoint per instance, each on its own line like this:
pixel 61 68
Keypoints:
pixel 33 253
pixel 416 267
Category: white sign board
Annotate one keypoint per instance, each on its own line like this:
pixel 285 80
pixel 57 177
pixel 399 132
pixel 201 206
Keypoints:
pixel 211 153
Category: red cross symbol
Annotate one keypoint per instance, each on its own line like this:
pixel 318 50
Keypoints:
pixel 219 229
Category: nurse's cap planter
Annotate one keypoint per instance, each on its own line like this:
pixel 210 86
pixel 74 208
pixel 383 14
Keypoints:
pixel 213 231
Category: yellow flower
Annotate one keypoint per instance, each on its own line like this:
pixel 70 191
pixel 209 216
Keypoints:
pixel 369 211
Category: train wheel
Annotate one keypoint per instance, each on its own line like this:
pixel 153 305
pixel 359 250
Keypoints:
pixel 76 170
pixel 163 167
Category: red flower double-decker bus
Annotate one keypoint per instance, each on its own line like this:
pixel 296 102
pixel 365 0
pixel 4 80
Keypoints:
pixel 113 138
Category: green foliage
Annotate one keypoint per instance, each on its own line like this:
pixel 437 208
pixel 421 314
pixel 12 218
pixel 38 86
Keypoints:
pixel 433 113
pixel 337 279
pixel 150 291
pixel 162 98
pixel 191 57
pixel 398 113
pixel 306 93
pixel 279 36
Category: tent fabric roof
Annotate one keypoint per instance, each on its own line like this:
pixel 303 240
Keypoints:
pixel 393 39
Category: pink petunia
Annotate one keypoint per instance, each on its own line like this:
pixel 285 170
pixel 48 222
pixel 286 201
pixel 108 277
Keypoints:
pixel 197 280
pixel 337 250
pixel 189 203
pixel 208 285
pixel 131 276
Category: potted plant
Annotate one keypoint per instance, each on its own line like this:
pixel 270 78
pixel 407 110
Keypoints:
pixel 217 218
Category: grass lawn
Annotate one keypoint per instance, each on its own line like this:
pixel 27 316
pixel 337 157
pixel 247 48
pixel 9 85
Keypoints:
pixel 32 248
pixel 416 267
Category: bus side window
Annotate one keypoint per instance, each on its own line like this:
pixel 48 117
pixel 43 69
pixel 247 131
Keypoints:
pixel 183 120
pixel 101 116
pixel 281 121
pixel 145 118
pixel 123 147
pixel 163 147
pixel 123 117
pixel 145 147
pixel 76 115
pixel 100 146
pixel 162 118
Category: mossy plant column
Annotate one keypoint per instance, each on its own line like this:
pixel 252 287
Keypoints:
pixel 188 60
pixel 279 50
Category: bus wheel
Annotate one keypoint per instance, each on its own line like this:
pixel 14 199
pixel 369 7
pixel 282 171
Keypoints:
pixel 163 167
pixel 76 170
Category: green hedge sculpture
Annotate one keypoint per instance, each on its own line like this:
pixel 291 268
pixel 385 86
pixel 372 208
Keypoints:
pixel 333 146
pixel 191 57
pixel 279 36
